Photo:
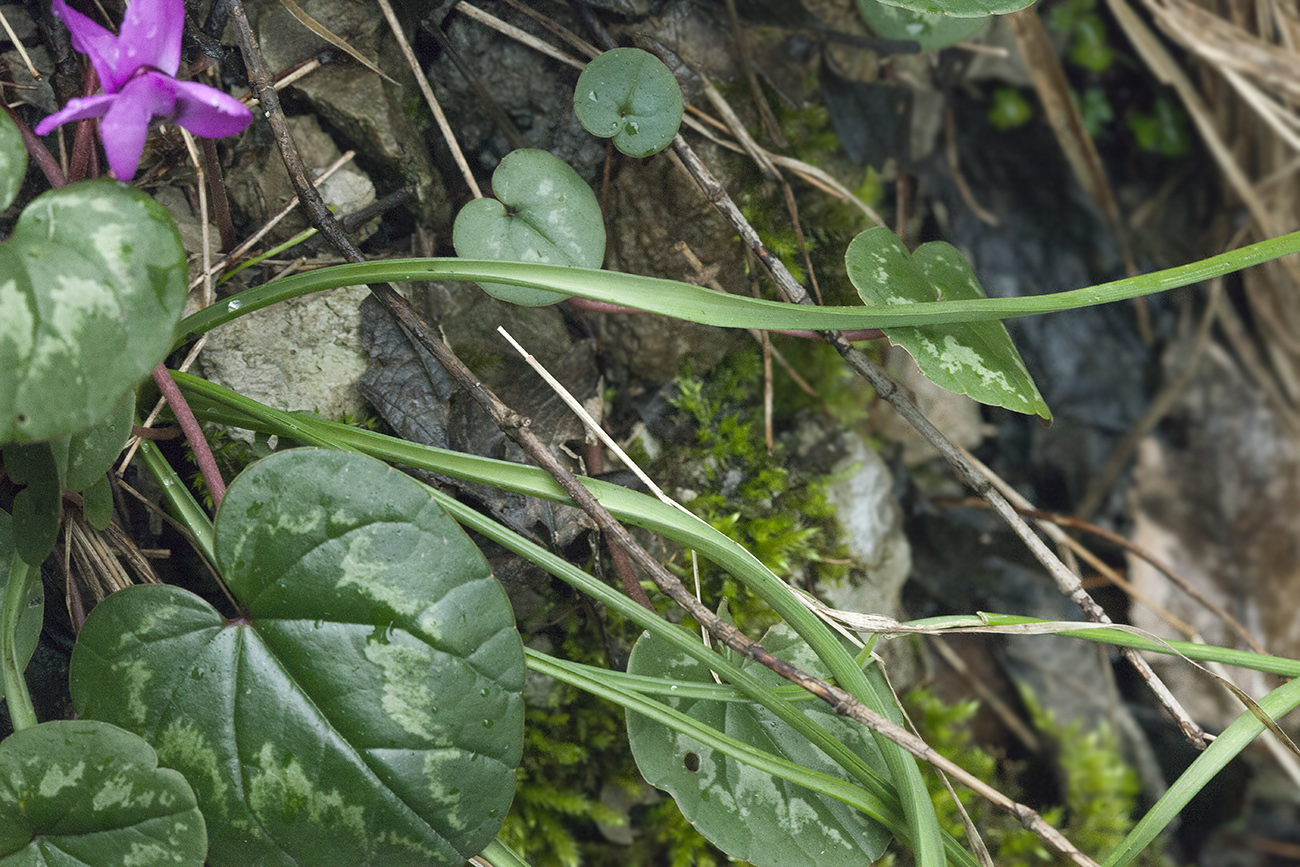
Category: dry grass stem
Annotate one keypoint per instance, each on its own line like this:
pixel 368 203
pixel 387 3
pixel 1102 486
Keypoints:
pixel 521 36
pixel 423 80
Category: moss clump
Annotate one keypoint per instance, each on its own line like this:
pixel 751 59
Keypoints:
pixel 574 746
pixel 779 513
pixel 1098 788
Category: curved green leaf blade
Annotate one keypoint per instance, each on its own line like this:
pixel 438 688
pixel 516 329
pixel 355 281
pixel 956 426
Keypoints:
pixel 92 284
pixel 13 160
pixel 543 212
pixel 365 708
pixel 32 617
pixel 629 95
pixel 751 815
pixel 933 25
pixel 974 358
pixel 86 793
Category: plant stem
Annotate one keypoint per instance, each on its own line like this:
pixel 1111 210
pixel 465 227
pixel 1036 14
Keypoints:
pixel 193 433
pixel 21 712
pixel 217 190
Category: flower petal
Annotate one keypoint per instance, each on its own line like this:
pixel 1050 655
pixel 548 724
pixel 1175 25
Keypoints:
pixel 207 112
pixel 151 34
pixel 126 125
pixel 98 44
pixel 77 108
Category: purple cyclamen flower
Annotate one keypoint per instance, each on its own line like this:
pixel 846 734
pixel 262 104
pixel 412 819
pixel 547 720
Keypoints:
pixel 137 69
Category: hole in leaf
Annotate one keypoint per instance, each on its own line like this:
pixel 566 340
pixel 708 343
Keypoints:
pixel 692 762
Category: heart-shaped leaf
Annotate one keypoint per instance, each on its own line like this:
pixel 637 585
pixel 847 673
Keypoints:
pixel 974 358
pixel 629 95
pixel 92 284
pixel 31 618
pixel 543 212
pixel 931 24
pixel 747 813
pixel 364 708
pixel 86 793
pixel 13 160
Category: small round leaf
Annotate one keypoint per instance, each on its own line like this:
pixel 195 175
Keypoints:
pixel 749 814
pixel 629 95
pixel 13 160
pixel 91 794
pixel 364 709
pixel 92 284
pixel 543 212
pixel 933 26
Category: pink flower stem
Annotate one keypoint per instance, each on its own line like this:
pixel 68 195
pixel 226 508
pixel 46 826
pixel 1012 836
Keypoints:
pixel 606 307
pixel 190 425
pixel 83 144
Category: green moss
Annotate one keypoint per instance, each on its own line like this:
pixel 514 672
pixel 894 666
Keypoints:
pixel 945 727
pixel 574 745
pixel 779 514
pixel 1099 789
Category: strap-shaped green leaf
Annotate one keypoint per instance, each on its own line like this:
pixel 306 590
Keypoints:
pixel 365 707
pixel 974 358
pixel 32 616
pixel 961 8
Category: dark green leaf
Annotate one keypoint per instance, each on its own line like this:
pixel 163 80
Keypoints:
pixel 92 452
pixel 364 709
pixel 38 508
pixel 543 212
pixel 33 614
pixel 934 25
pixel 974 358
pixel 92 284
pixel 97 502
pixel 747 813
pixel 13 160
pixel 629 95
pixel 89 794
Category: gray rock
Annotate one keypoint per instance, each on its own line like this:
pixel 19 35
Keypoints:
pixel 32 91
pixel 872 522
pixel 368 113
pixel 259 188
pixel 302 354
